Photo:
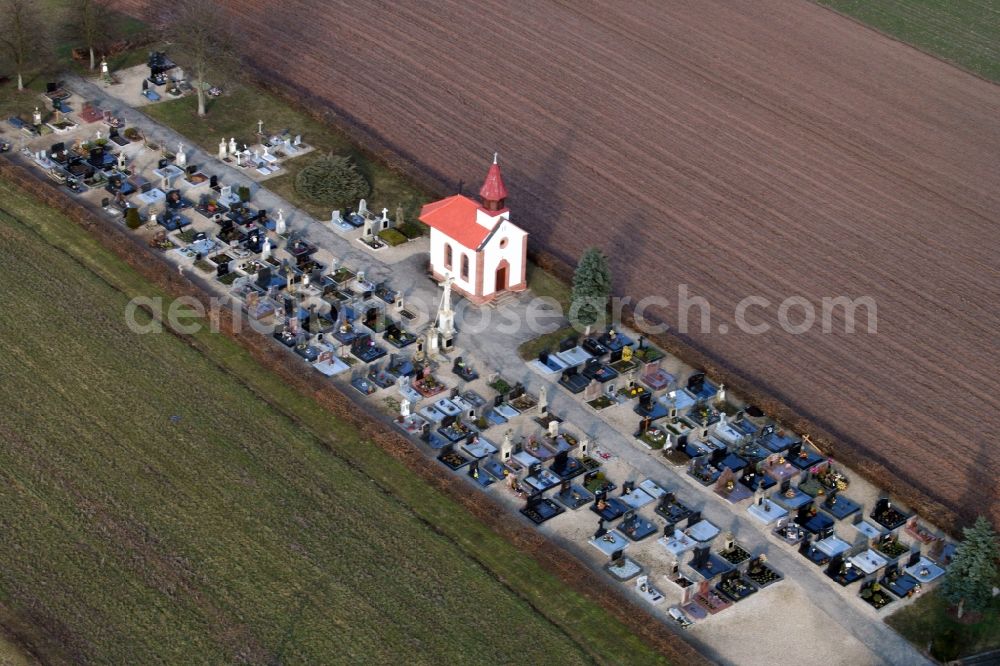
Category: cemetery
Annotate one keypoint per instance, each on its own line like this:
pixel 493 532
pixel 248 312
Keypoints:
pixel 335 293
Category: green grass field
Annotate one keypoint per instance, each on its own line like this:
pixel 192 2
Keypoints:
pixel 164 501
pixel 928 621
pixel 964 32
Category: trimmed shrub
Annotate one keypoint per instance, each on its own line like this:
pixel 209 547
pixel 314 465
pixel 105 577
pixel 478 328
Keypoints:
pixel 132 219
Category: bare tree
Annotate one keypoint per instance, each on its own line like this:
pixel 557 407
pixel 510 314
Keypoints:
pixel 91 16
pixel 201 31
pixel 22 34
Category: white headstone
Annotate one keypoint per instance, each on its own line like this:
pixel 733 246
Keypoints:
pixel 98 135
pixel 404 408
pixel 298 140
pixel 232 146
pixel 225 194
pixel 121 161
pixel 36 117
pixel 265 249
pixel 181 159
pixel 279 224
pixel 543 399
pixel 104 66
pixel 260 127
pixel 385 215
pixel 335 217
pixel 508 446
pixel 223 149
pixel 366 231
pixel 553 428
pixel 362 207
pixel 152 217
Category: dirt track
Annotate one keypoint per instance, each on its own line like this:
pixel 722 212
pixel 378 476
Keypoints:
pixel 743 148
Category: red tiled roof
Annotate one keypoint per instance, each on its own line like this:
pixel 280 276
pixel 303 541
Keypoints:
pixel 455 217
pixel 493 188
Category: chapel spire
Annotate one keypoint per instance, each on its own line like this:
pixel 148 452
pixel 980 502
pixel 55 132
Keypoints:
pixel 493 192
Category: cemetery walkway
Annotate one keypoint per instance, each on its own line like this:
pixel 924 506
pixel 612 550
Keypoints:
pixel 497 350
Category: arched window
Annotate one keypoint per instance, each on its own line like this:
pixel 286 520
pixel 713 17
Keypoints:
pixel 447 255
pixel 465 267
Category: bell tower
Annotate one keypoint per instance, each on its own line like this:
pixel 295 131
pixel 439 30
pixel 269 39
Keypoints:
pixel 493 192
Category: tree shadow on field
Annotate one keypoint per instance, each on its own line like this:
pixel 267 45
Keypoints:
pixel 544 187
pixel 982 492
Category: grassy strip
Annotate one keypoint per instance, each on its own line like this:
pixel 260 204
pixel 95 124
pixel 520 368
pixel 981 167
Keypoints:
pixel 963 32
pixel 530 349
pixel 585 621
pixel 928 621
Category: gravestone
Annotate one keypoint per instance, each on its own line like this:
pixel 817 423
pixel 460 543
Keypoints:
pixel 507 447
pixel 592 390
pixel 701 557
pixel 264 277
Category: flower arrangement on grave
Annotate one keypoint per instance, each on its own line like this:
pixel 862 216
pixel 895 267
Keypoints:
pixel 160 241
pixel 656 436
pixel 890 546
pixel 730 485
pixel 832 479
pixel 874 595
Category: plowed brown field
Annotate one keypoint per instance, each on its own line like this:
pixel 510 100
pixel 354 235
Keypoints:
pixel 741 147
